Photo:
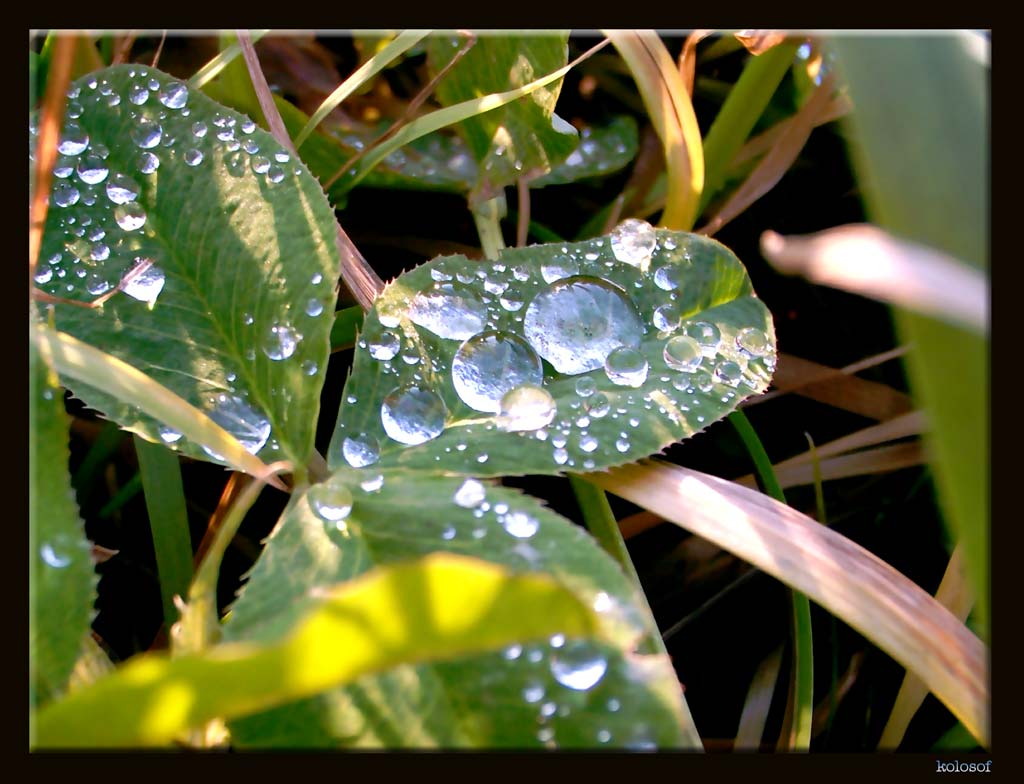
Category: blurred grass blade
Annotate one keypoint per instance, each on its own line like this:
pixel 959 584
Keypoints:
pixel 758 702
pixel 758 42
pixel 210 71
pixel 87 364
pixel 803 643
pixel 868 261
pixel 128 491
pixel 744 105
pixel 955 593
pixel 347 323
pixel 168 520
pixel 841 576
pixel 922 153
pixel 688 58
pixel 671 113
pixel 403 42
pixel 776 163
pixel 263 95
pixel 757 146
pixel 439 607
pixel 450 115
pixel 87 478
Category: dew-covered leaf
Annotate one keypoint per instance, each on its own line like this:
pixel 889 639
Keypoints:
pixel 563 692
pixel 524 139
pixel 222 244
pixel 557 357
pixel 392 615
pixel 62 581
pixel 602 150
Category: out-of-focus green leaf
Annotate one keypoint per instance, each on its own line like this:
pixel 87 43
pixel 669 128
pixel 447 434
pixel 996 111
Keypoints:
pixel 436 608
pixel 230 246
pixel 446 342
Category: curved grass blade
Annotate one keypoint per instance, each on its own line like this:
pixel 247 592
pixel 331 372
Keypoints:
pixel 845 579
pixel 210 71
pixel 439 607
pixel 447 341
pixel 212 253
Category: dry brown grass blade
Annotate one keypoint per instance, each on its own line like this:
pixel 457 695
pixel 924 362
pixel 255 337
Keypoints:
pixel 760 41
pixel 880 460
pixel 758 702
pixel 777 162
pixel 358 275
pixel 839 107
pixel 236 483
pixel 954 593
pixel 123 47
pixel 837 387
pixel 50 122
pixel 688 57
pixel 824 708
pixel 836 573
pixel 866 260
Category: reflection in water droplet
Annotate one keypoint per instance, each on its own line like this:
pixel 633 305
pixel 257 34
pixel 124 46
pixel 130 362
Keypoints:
pixel 598 405
pixel 449 310
pixel 579 665
pixel 705 333
pixel 280 341
pixel 65 195
pixel 576 322
pixel 147 162
pixel 668 277
pixel 413 415
pixel 489 365
pixel 138 94
pixel 585 386
pixel 360 450
pixel 147 134
pixel 633 242
pixel 561 456
pixel 588 443
pixel 199 129
pixel 683 353
pixel 385 346
pixel 260 164
pixel 97 284
pixel 44 275
pixel 373 484
pixel 520 525
pixel 728 372
pixel 174 96
pixel 237 417
pixel 91 169
pixel 130 216
pixel 168 434
pixel 193 157
pixel 626 367
pixel 146 286
pixel 753 343
pixel 526 408
pixel 122 189
pixel 52 558
pixel 533 692
pixel 309 367
pixel 73 141
pixel 470 494
pixel 331 502
pixel 314 307
pixel 667 318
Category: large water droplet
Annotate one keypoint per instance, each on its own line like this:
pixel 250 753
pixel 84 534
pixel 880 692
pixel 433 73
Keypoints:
pixel 130 216
pixel 705 333
pixel 669 277
pixel 331 502
pixel 243 422
pixel 449 311
pixel 489 365
pixel 520 524
pixel 633 242
pixel 65 195
pixel 559 267
pixel 385 346
pixel 91 169
pixel 666 318
pixel 122 189
pixel 753 343
pixel 579 665
pixel 73 141
pixel 526 408
pixel 280 341
pixel 413 415
pixel 683 353
pixel 626 367
pixel 146 286
pixel 576 322
pixel 147 134
pixel 470 494
pixel 174 96
pixel 360 450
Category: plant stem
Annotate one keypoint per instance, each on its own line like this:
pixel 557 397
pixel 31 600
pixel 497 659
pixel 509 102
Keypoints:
pixel 803 649
pixel 487 217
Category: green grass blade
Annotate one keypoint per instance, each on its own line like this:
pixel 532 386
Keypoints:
pixel 744 105
pixel 403 42
pixel 168 521
pixel 86 478
pixel 921 151
pixel 347 323
pixel 439 607
pixel 210 71
pixel 803 643
pixel 130 489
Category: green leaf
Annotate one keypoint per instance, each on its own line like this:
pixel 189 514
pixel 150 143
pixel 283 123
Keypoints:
pixel 435 608
pixel 521 140
pixel 62 581
pixel 602 150
pixel 233 312
pixel 403 406
pixel 517 697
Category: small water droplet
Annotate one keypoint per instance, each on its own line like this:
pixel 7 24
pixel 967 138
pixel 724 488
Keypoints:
pixel 385 346
pixel 65 195
pixel 281 341
pixel 603 736
pixel 525 408
pixel 373 484
pixel 129 216
pixel 147 162
pixel 579 665
pixel 683 353
pixel 52 558
pixel 705 333
pixel 174 96
pixel 193 157
pixel 598 405
pixel 753 343
pixel 669 277
pixel 533 693
pixel 413 415
pixel 588 443
pixel 585 386
pixel 122 189
pixel 360 450
pixel 448 533
pixel 260 164
pixel 199 129
pixel 701 379
pixel 491 364
pixel 247 126
pixel 275 174
pixel 559 267
pixel 520 525
pixel 626 367
pixel 242 421
pixel 622 444
pixel 91 169
pixel 728 372
pixel 633 242
pixel 470 494
pixel 73 141
pixel 512 652
pixel 168 434
pixel 138 94
pixel 667 318
pixel 147 134
pixel 44 275
pixel 97 284
pixel 576 322
pixel 561 456
pixel 309 367
pixel 330 502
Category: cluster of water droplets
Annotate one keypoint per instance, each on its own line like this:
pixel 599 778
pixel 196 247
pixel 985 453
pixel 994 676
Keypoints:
pixel 590 313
